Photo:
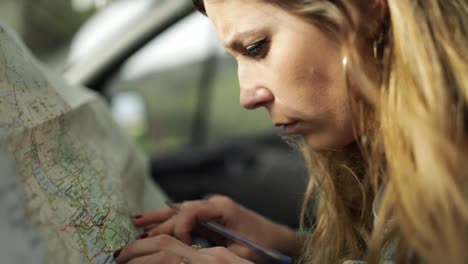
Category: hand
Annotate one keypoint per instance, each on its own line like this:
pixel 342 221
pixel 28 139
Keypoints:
pixel 228 213
pixel 169 250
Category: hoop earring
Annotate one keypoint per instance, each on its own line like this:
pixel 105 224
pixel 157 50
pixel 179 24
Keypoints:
pixel 382 38
pixel 345 69
pixel 345 62
pixel 378 46
pixel 363 83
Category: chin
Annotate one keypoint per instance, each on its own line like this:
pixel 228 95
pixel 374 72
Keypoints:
pixel 321 143
pixel 317 145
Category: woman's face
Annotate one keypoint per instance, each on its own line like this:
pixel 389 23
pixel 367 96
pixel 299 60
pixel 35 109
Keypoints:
pixel 287 65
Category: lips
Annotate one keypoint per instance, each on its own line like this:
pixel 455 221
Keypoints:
pixel 289 127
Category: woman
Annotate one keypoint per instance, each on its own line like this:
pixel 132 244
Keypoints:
pixel 387 139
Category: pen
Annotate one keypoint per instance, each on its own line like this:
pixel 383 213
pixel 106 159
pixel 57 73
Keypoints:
pixel 221 230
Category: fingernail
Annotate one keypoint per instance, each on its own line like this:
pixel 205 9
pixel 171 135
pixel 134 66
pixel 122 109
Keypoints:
pixel 137 216
pixel 117 253
pixel 145 235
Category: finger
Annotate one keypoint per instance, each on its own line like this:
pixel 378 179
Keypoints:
pixel 153 217
pixel 153 245
pixel 190 215
pixel 222 254
pixel 148 228
pixel 227 205
pixel 246 253
pixel 164 228
pixel 160 257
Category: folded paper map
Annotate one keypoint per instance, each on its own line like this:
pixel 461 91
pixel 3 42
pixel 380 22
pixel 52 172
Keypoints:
pixel 70 179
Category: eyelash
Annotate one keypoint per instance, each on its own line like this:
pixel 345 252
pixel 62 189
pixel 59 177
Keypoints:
pixel 258 49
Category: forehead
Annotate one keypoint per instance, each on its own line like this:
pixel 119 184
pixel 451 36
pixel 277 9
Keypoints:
pixel 230 16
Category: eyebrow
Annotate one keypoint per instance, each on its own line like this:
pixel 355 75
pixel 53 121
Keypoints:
pixel 234 43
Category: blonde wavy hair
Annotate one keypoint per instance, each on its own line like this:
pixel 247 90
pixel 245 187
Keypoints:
pixel 405 179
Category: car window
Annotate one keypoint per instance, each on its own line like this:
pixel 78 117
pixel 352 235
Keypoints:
pixel 182 89
pixel 227 117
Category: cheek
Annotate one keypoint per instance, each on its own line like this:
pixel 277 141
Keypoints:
pixel 303 80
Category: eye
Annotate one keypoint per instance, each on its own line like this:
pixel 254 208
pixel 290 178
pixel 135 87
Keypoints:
pixel 258 49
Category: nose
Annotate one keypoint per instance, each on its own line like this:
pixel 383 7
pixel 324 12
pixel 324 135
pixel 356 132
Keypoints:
pixel 252 95
pixel 255 97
